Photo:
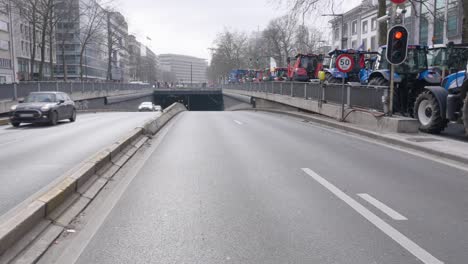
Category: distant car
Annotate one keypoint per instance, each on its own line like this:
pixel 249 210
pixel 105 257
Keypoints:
pixel 43 107
pixel 158 108
pixel 146 106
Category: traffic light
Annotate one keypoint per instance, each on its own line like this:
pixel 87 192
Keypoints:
pixel 397 45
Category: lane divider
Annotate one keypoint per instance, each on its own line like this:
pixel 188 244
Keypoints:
pixel 382 207
pixel 387 229
pixel 102 166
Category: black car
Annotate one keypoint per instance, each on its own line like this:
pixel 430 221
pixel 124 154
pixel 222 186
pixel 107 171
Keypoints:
pixel 43 107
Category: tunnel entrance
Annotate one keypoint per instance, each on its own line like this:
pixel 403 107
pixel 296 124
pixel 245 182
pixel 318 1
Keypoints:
pixel 193 102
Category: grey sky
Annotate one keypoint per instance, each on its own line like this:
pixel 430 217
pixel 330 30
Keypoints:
pixel 189 27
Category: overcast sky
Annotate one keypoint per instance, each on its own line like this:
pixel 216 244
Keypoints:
pixel 190 26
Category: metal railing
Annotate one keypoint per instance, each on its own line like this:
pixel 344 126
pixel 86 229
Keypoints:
pixel 20 90
pixel 362 96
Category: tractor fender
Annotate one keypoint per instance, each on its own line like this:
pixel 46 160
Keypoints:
pixel 364 76
pixel 454 81
pixel 386 75
pixel 441 95
pixel 336 73
pixel 430 76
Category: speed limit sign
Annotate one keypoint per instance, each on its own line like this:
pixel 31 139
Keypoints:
pixel 344 63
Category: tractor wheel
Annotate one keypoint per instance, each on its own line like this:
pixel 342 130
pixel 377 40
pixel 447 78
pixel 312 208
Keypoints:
pixel 427 111
pixel 379 81
pixel 465 113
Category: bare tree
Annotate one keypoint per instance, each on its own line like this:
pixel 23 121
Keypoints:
pixel 94 19
pixel 464 5
pixel 307 40
pixel 115 39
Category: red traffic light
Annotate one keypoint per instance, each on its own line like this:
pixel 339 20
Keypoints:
pixel 398 1
pixel 398 35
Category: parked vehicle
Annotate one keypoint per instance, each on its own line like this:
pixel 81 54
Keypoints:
pixel 439 105
pixel 43 107
pixel 237 76
pixel 146 106
pixel 305 67
pixel 363 66
pixel 410 77
pixel 447 59
pixel 280 74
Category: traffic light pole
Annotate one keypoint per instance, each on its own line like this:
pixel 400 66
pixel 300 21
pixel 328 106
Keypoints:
pixel 392 67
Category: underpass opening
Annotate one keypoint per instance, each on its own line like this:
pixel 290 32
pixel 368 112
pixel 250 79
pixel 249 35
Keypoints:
pixel 192 101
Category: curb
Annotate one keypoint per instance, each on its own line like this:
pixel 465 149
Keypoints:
pixel 372 135
pixel 115 155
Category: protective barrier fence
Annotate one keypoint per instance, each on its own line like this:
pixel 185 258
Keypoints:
pixel 363 96
pixel 14 91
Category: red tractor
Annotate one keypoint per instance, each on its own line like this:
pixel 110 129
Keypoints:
pixel 305 68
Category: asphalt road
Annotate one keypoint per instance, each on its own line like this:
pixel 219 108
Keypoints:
pixel 249 187
pixel 33 156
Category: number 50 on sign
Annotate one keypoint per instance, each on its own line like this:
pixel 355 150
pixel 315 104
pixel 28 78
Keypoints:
pixel 344 63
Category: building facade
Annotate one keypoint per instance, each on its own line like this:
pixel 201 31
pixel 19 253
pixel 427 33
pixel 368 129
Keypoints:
pixel 70 35
pixel 7 73
pixel 117 45
pixel 134 58
pixel 185 68
pixel 428 22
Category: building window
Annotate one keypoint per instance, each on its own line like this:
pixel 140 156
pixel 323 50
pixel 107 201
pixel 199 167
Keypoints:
pixel 345 30
pixel 438 37
pixel 373 43
pixel 5 63
pixel 364 27
pixel 364 44
pixel 354 44
pixel 336 33
pixel 354 27
pixel 452 21
pixel 373 23
pixel 423 25
pixel 4 45
pixel 3 26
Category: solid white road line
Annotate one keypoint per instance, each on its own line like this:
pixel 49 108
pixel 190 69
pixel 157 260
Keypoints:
pixel 401 239
pixel 384 208
pixel 238 122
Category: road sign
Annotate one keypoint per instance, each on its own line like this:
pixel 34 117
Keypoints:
pixel 397 45
pixel 398 1
pixel 344 63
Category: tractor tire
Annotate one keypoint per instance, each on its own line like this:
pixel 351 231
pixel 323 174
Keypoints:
pixel 379 81
pixel 427 111
pixel 331 79
pixel 465 114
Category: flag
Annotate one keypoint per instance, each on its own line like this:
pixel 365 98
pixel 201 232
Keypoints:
pixel 361 47
pixel 272 64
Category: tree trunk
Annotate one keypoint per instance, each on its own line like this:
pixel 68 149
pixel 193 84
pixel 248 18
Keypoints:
pixel 382 34
pixel 81 61
pixel 109 49
pixel 33 44
pixel 43 45
pixel 51 50
pixel 465 21
pixel 64 63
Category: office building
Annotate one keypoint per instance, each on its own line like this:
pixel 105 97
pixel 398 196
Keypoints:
pixel 185 68
pixel 6 49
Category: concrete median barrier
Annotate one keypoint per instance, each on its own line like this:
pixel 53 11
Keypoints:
pixel 74 184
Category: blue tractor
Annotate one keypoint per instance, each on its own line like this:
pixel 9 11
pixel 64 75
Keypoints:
pixel 237 76
pixel 363 64
pixel 410 77
pixel 438 105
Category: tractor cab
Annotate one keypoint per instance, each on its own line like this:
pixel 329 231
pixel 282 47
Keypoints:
pixel 305 67
pixel 447 59
pixel 363 64
pixel 280 74
pixel 410 77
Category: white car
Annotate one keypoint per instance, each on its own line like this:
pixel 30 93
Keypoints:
pixel 158 108
pixel 146 106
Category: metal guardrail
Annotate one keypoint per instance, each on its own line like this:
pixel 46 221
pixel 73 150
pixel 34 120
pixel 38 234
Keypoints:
pixel 19 90
pixel 362 96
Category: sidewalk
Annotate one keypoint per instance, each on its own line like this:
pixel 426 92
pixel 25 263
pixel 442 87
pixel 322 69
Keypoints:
pixel 431 144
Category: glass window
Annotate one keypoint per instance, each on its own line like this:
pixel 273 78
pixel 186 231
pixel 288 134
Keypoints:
pixel 345 30
pixel 40 98
pixel 364 44
pixel 3 26
pixel 374 24
pixel 336 33
pixel 354 27
pixel 364 27
pixel 373 43
pixel 4 45
pixel 354 44
pixel 423 25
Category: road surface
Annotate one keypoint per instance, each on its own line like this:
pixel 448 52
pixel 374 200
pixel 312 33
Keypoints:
pixel 33 156
pixel 250 187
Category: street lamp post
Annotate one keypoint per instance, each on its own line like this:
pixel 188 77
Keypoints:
pixel 342 26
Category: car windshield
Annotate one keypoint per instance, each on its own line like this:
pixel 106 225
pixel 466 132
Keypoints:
pixel 40 98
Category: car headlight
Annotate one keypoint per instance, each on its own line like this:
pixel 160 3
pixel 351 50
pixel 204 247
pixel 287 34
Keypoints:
pixel 45 108
pixel 13 107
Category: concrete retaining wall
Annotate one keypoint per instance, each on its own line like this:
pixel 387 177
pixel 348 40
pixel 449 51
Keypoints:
pixel 366 119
